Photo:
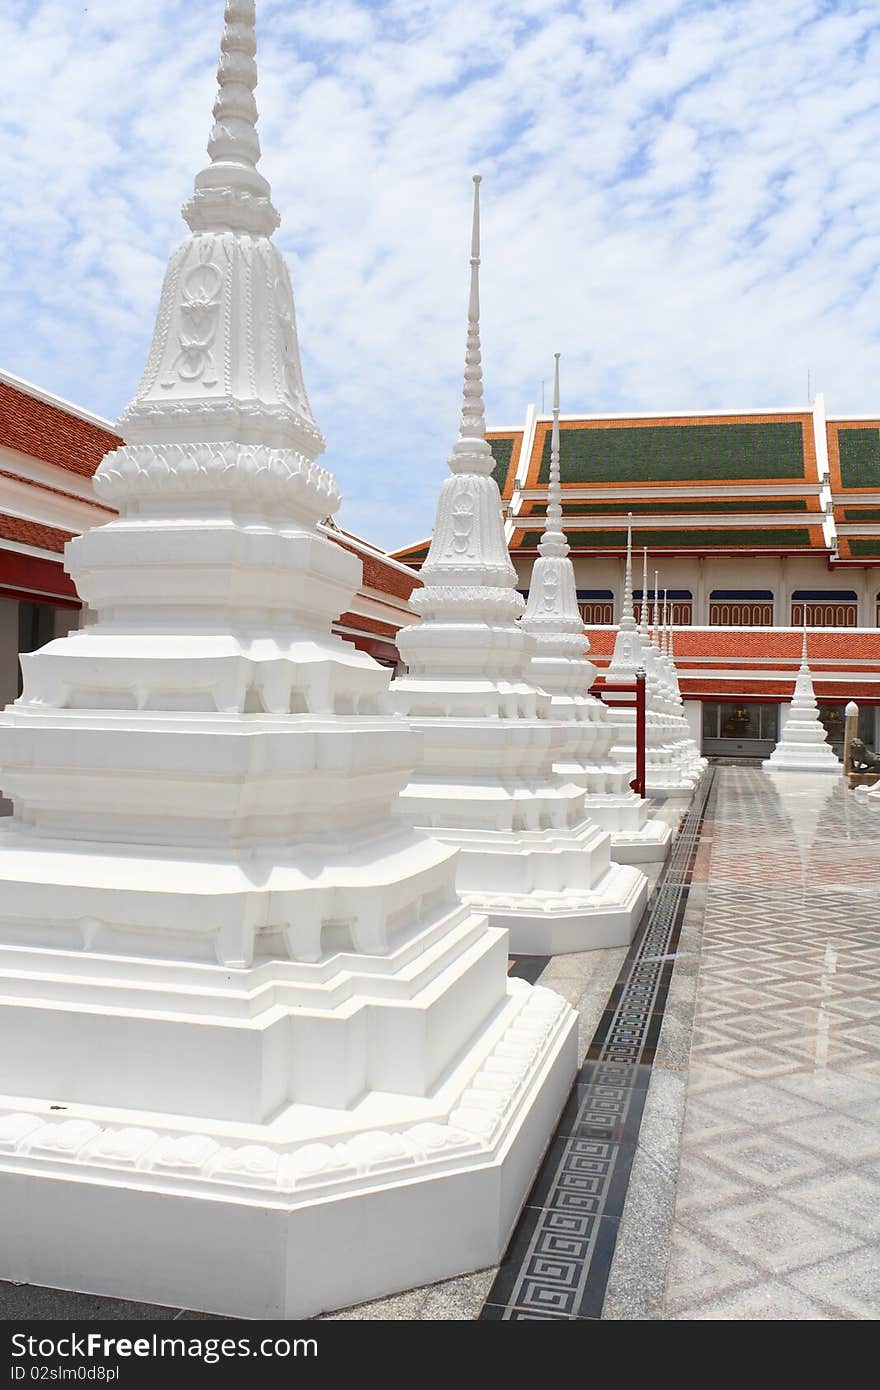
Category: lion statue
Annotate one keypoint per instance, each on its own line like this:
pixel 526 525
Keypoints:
pixel 862 759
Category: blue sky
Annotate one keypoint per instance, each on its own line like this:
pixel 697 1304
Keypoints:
pixel 681 196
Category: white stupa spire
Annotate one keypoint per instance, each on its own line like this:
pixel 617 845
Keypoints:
pixel 627 658
pixel 655 614
pixel 468 550
pixel 627 619
pixel 643 616
pixel 560 667
pixel 803 746
pixel 471 452
pixel 552 616
pixel 554 542
pixel 229 192
pixel 492 737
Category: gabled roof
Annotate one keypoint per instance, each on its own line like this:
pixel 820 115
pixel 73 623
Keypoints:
pixel 675 450
pixel 737 482
pixel 854 468
pixel 33 533
pixel 506 446
pixel 45 427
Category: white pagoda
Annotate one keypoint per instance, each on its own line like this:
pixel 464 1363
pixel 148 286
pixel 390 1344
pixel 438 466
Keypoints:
pixel 531 859
pixel 692 762
pixel 256 1057
pixel 671 766
pixel 803 745
pixel 560 666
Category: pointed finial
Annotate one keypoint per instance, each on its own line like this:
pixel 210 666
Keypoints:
pixel 655 611
pixel 230 194
pixel 627 619
pixel 643 616
pixel 804 663
pixel 553 542
pixel 471 452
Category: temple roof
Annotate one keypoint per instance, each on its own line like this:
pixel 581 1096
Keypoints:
pixel 728 482
pixel 854 468
pixel 45 427
pixel 697 482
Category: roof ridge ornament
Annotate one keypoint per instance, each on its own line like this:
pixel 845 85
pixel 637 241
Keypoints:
pixel 230 194
pixel 554 541
pixel 471 452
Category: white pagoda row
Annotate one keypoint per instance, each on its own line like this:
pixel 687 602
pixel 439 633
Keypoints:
pixel 561 667
pixel 531 857
pixel 257 1055
pixel 673 764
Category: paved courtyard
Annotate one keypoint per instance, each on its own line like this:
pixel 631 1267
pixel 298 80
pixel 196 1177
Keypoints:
pixel 720 1156
pixel 778 1203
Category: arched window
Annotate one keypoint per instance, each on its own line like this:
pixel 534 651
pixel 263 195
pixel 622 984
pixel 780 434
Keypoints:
pixel 596 607
pixel 824 608
pixel 741 608
pixel 680 606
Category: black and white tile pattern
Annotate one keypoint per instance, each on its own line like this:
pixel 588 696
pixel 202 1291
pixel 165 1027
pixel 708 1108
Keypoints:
pixel 557 1264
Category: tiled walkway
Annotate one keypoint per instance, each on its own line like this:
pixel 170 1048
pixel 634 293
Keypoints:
pixel 777 1213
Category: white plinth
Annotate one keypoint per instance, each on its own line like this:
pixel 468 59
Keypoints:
pixel 316 1210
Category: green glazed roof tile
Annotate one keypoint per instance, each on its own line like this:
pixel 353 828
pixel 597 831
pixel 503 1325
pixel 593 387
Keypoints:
pixel 859 457
pixel 783 537
pixel 678 453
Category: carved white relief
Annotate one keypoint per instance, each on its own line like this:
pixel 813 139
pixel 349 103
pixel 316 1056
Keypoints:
pixel 252 470
pixel 199 312
pixel 551 592
pixel 463 513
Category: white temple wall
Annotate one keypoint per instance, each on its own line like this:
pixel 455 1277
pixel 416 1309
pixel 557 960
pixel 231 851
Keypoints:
pixel 693 713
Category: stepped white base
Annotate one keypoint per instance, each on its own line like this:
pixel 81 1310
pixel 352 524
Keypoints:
pixel 671 783
pixel 553 924
pixel 315 1210
pixel 554 891
pixel 804 757
pixel 635 839
pixel 650 845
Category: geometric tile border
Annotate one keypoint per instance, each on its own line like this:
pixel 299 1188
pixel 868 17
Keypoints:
pixel 559 1257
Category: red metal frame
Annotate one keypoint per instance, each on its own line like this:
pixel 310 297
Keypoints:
pixel 637 688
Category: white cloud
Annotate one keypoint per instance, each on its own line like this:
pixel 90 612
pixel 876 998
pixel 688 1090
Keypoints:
pixel 679 195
